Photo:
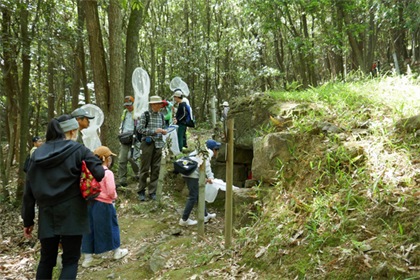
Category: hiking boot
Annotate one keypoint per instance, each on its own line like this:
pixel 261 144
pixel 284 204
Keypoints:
pixel 92 262
pixel 152 196
pixel 186 223
pixel 142 196
pixel 120 253
pixel 209 216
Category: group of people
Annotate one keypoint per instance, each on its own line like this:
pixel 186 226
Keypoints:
pixel 53 183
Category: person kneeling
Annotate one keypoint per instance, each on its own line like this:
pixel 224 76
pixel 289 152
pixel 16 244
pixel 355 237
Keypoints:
pixel 192 183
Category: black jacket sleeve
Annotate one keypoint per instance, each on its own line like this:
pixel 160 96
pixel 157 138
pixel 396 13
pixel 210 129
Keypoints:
pixel 94 165
pixel 28 206
pixel 181 114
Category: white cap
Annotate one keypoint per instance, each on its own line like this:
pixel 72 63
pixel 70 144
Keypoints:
pixel 225 103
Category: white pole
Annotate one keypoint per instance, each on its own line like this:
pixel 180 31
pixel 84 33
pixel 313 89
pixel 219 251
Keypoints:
pixel 213 111
pixel 397 68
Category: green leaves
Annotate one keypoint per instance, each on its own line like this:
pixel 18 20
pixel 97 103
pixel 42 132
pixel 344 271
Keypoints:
pixel 136 5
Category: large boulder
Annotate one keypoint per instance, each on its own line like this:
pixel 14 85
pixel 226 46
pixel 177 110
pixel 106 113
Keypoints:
pixel 249 115
pixel 252 114
pixel 239 155
pixel 271 151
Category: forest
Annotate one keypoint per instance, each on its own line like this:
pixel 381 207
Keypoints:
pixel 337 78
pixel 57 55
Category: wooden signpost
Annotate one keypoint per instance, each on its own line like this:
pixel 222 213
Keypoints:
pixel 229 183
pixel 201 198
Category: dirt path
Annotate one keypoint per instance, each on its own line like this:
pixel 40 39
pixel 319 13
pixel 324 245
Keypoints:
pixel 151 234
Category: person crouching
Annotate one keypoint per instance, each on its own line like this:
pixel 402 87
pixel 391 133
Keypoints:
pixel 192 183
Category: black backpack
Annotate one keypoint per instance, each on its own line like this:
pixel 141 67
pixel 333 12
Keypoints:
pixel 190 117
pixel 185 166
pixel 27 164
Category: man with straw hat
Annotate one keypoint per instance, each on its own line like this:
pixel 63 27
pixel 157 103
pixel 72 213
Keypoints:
pixel 151 127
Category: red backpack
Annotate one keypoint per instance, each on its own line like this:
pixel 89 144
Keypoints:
pixel 89 187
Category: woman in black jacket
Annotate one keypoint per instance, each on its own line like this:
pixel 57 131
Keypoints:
pixel 53 182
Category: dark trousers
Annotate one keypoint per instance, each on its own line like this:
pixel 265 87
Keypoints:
pixel 150 159
pixel 192 184
pixel 71 255
pixel 184 139
pixel 181 131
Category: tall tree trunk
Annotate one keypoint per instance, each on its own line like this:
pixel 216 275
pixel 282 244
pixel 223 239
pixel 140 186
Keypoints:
pixel 97 55
pixel 10 87
pixel 352 40
pixel 131 54
pixel 310 62
pixel 163 74
pixel 51 92
pixel 116 84
pixel 24 98
pixel 4 193
pixel 38 94
pixel 279 55
pixel 373 35
pixel 399 34
pixel 75 88
pixel 152 65
pixel 338 54
pixel 187 65
pixel 79 68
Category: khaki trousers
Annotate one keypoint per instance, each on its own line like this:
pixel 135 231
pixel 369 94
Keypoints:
pixel 124 157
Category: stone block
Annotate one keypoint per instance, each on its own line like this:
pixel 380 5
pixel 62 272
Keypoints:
pixel 270 151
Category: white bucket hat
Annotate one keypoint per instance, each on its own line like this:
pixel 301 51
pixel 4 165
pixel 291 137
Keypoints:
pixel 155 99
pixel 225 103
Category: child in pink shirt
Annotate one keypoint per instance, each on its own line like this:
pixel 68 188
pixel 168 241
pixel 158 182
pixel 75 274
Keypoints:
pixel 105 232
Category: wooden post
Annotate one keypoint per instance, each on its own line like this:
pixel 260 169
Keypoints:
pixel 229 183
pixel 160 179
pixel 201 197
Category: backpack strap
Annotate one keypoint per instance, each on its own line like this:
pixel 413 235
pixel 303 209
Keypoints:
pixel 147 115
pixel 163 119
pixel 123 118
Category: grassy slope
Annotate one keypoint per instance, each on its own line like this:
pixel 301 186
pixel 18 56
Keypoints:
pixel 350 209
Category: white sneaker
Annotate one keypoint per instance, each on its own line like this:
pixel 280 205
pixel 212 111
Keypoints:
pixel 209 216
pixel 120 253
pixel 186 223
pixel 92 262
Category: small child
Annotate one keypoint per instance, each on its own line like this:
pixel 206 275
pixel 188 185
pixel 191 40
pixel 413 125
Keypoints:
pixel 105 233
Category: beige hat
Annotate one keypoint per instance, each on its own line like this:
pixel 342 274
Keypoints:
pixel 155 99
pixel 178 93
pixel 103 152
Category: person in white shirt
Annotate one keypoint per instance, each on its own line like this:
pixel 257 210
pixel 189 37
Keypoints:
pixel 192 183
